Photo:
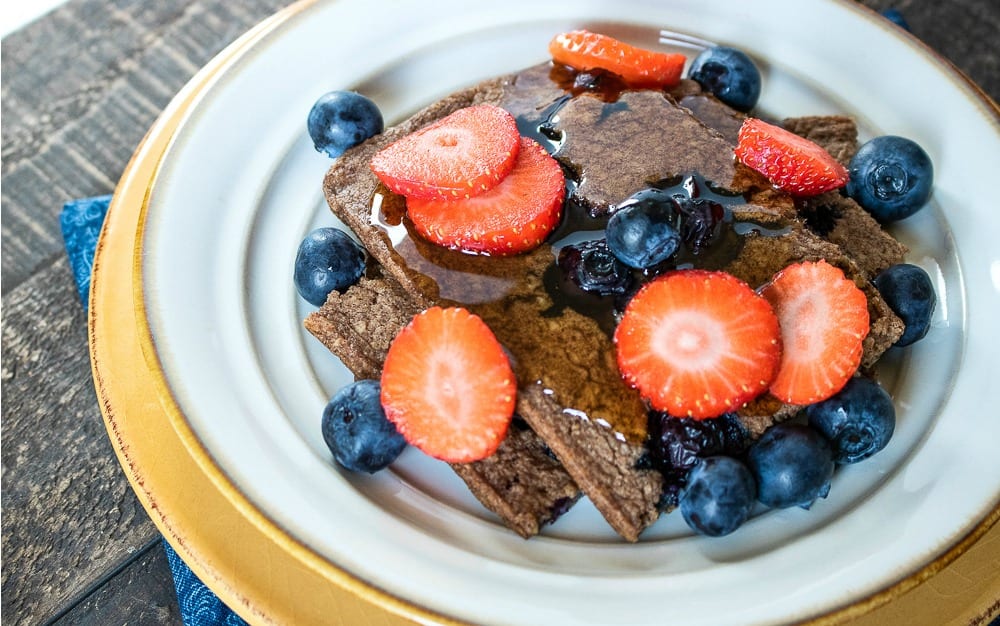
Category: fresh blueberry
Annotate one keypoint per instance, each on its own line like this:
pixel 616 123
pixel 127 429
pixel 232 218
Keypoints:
pixel 857 421
pixel 891 177
pixel 719 496
pixel 677 444
pixel 342 119
pixel 640 232
pixel 792 464
pixel 729 74
pixel 327 259
pixel 592 268
pixel 357 431
pixel 908 291
pixel 894 16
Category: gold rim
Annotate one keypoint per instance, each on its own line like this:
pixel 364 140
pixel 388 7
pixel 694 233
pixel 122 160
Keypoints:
pixel 145 392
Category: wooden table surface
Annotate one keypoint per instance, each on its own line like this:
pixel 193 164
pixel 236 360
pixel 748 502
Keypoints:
pixel 80 87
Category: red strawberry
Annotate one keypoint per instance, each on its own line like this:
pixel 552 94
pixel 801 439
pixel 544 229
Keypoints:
pixel 448 387
pixel 698 343
pixel 458 156
pixel 824 319
pixel 791 163
pixel 585 50
pixel 513 217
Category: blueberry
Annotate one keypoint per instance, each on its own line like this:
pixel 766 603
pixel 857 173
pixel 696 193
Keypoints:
pixel 908 291
pixel 592 268
pixel 700 221
pixel 894 16
pixel 857 421
pixel 792 464
pixel 357 431
pixel 719 496
pixel 891 177
pixel 640 232
pixel 327 259
pixel 342 119
pixel 677 444
pixel 729 74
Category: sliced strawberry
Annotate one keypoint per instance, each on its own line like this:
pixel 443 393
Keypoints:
pixel 791 163
pixel 458 156
pixel 513 217
pixel 584 50
pixel 448 387
pixel 697 343
pixel 823 318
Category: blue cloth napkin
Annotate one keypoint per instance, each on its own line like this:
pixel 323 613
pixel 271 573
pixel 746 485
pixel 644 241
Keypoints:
pixel 81 222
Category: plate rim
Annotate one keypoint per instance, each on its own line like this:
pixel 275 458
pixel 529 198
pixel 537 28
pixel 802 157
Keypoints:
pixel 152 149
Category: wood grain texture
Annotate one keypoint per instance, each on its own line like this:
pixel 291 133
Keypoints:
pixel 141 593
pixel 68 513
pixel 79 89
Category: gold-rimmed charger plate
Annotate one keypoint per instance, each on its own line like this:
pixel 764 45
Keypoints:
pixel 253 564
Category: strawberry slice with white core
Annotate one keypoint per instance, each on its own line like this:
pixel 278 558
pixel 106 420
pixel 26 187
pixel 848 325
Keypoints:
pixel 448 386
pixel 513 217
pixel 824 320
pixel 698 344
pixel 459 156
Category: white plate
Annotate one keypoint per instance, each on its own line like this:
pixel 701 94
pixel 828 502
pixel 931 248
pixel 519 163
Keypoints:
pixel 240 187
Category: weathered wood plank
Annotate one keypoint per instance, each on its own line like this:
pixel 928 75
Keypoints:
pixel 80 89
pixel 141 593
pixel 69 514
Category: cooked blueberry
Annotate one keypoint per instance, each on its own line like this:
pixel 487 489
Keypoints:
pixel 729 74
pixel 891 177
pixel 357 431
pixel 857 421
pixel 719 496
pixel 894 16
pixel 701 220
pixel 792 464
pixel 328 259
pixel 592 267
pixel 677 444
pixel 908 291
pixel 640 233
pixel 342 119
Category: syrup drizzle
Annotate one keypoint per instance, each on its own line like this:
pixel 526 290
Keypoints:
pixel 554 335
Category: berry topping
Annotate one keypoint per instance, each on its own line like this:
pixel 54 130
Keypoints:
pixel 676 444
pixel 698 343
pixel 513 217
pixel 459 156
pixel 891 177
pixel 356 430
pixel 858 421
pixel 327 260
pixel 792 465
pixel 719 496
pixel 641 233
pixel 591 267
pixel 584 50
pixel 908 291
pixel 824 319
pixel 729 75
pixel 342 119
pixel 448 387
pixel 791 163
